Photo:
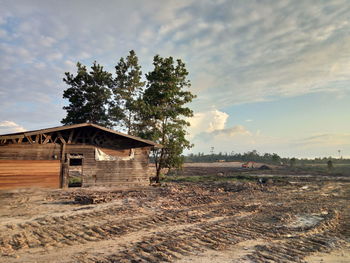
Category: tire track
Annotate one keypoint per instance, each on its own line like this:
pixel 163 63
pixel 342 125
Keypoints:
pixel 69 230
pixel 215 219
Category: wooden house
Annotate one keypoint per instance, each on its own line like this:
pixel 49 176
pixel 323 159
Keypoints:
pixel 50 157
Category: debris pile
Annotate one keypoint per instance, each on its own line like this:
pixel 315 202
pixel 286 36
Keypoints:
pixel 89 199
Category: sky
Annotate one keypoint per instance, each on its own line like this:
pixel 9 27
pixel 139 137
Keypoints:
pixel 271 76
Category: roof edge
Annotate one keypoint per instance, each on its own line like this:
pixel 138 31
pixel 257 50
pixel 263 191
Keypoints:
pixel 75 126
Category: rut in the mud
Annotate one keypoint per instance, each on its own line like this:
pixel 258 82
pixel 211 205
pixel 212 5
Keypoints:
pixel 179 221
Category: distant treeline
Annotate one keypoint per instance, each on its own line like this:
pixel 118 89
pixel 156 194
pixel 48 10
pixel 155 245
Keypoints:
pixel 255 156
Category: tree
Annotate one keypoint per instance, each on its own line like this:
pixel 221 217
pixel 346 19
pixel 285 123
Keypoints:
pixel 89 94
pixel 163 111
pixel 127 90
pixel 275 158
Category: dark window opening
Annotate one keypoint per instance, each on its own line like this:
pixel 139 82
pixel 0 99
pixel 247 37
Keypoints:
pixel 75 162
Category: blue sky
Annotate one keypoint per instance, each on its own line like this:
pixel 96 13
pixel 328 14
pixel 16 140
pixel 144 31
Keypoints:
pixel 269 75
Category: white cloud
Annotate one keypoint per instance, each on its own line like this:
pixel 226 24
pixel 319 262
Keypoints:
pixel 10 127
pixel 210 130
pixel 233 131
pixel 54 56
pixel 40 65
pixel 236 52
pixel 236 138
pixel 47 41
pixel 3 33
pixel 208 121
pixel 210 127
pixel 325 140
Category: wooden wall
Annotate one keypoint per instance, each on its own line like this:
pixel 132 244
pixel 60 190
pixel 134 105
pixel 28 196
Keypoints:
pixel 112 173
pixel 48 151
pixel 29 173
pixel 103 173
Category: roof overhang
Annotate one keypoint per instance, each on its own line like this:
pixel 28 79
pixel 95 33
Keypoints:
pixel 75 126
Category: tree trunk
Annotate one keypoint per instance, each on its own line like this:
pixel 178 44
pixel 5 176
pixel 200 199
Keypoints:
pixel 158 174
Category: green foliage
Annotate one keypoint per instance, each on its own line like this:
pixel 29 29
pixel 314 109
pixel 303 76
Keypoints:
pixel 163 111
pixel 88 95
pixel 127 90
pixel 276 158
pixel 157 113
pixel 214 178
pixel 232 157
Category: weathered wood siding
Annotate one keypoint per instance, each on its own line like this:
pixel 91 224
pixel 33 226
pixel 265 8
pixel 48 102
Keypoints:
pixel 29 173
pixel 112 173
pixel 129 168
pixel 49 151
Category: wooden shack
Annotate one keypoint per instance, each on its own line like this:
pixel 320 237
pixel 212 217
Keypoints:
pixel 51 157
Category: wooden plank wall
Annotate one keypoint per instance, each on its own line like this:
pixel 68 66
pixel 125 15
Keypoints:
pixel 29 173
pixel 30 151
pixel 106 173
pixel 112 173
pixel 130 172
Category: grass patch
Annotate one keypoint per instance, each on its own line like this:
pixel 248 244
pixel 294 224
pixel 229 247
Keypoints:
pixel 241 177
pixel 209 178
pixel 338 169
pixel 75 181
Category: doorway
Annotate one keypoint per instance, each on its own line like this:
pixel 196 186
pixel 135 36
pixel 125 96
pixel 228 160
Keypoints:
pixel 75 170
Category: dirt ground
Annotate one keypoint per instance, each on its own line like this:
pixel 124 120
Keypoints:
pixel 296 220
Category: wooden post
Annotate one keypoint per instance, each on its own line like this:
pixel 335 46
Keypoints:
pixel 48 137
pixel 29 138
pixel 71 136
pixel 61 138
pixel 63 181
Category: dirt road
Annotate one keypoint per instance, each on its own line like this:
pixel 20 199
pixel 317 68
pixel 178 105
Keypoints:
pixel 202 222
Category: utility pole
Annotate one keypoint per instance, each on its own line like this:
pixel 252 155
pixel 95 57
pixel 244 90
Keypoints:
pixel 339 151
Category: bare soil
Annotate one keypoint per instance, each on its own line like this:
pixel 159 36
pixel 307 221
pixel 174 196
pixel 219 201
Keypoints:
pixel 296 220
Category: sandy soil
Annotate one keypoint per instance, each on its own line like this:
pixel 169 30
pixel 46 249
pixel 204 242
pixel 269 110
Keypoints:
pixel 336 256
pixel 291 221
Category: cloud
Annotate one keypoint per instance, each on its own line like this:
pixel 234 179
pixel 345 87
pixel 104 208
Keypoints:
pixel 210 129
pixel 325 140
pixel 10 127
pixel 54 56
pixel 208 121
pixel 238 139
pixel 214 123
pixel 283 50
pixel 233 131
pixel 237 52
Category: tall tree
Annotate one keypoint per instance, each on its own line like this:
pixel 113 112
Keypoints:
pixel 127 90
pixel 88 95
pixel 164 112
